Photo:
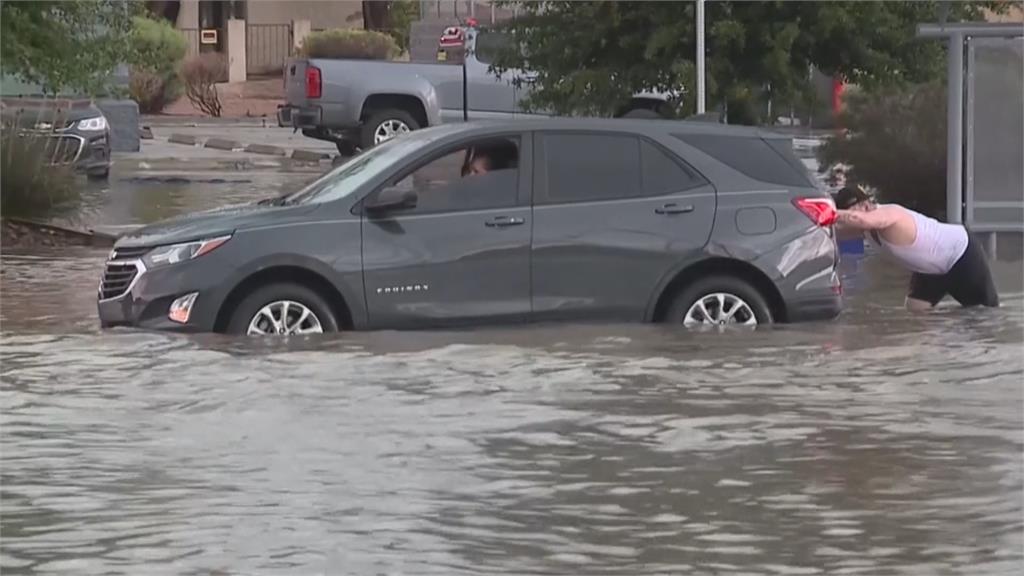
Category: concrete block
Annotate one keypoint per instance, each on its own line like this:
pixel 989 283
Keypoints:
pixel 186 139
pixel 265 149
pixel 309 155
pixel 221 144
pixel 123 118
pixel 145 133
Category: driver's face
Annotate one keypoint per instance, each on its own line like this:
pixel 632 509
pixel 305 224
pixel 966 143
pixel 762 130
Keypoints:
pixel 479 166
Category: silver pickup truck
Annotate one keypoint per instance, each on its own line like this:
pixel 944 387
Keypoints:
pixel 361 103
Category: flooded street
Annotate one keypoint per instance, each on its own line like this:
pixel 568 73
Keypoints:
pixel 883 443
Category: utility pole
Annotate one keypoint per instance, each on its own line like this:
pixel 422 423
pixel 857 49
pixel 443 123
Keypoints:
pixel 700 58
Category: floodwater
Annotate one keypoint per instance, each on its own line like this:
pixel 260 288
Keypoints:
pixel 136 198
pixel 882 443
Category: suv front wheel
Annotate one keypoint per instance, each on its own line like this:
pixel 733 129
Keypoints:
pixel 283 309
pixel 719 301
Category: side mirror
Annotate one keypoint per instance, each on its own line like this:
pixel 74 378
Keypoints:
pixel 390 199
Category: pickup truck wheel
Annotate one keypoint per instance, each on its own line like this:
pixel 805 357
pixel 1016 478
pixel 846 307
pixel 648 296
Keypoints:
pixel 345 148
pixel 644 113
pixel 384 125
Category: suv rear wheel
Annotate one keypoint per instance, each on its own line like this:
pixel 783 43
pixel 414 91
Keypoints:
pixel 718 301
pixel 384 125
pixel 282 309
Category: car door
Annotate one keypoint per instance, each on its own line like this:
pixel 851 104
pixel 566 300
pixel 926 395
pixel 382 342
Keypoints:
pixel 614 214
pixel 462 254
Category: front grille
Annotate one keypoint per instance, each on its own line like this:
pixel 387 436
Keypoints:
pixel 128 253
pixel 117 277
pixel 64 149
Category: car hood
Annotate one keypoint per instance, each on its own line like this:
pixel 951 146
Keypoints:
pixel 45 114
pixel 209 224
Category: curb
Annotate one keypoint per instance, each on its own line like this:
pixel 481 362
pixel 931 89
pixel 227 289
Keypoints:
pixel 309 155
pixel 266 149
pixel 186 139
pixel 221 144
pixel 85 237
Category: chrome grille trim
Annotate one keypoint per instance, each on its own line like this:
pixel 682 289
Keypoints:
pixel 115 284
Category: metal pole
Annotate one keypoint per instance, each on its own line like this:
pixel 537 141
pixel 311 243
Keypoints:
pixel 955 129
pixel 700 57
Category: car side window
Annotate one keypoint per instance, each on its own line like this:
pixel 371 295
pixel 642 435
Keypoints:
pixel 589 167
pixel 663 174
pixel 480 175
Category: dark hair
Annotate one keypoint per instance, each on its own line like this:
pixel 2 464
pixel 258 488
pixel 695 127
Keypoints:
pixel 850 195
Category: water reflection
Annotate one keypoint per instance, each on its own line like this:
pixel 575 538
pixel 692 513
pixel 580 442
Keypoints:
pixel 885 443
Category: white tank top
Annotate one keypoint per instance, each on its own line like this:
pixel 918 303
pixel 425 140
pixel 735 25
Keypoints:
pixel 936 247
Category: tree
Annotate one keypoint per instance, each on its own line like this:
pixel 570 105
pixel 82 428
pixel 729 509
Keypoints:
pixel 65 45
pixel 591 56
pixel 392 17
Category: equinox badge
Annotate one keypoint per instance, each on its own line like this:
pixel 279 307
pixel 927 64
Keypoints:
pixel 401 289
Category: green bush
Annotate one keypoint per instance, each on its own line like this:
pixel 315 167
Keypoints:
pixel 350 44
pixel 29 186
pixel 157 52
pixel 895 142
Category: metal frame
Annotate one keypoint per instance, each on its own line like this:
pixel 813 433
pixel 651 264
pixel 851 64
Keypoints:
pixel 957 36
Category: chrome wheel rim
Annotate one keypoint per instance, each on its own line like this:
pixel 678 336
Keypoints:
pixel 284 318
pixel 719 309
pixel 388 129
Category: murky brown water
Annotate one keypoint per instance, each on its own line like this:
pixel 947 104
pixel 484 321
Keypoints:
pixel 883 443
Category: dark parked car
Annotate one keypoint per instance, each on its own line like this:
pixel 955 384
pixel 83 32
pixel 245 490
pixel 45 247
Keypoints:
pixel 77 132
pixel 615 220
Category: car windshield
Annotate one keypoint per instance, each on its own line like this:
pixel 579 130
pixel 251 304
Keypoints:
pixel 342 181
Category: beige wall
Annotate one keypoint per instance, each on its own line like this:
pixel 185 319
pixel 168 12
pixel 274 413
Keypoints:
pixel 1014 14
pixel 333 14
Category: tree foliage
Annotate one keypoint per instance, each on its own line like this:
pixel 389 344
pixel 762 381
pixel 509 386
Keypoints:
pixel 393 17
pixel 591 56
pixel 895 143
pixel 67 45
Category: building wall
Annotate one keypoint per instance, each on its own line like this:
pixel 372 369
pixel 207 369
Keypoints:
pixel 1015 14
pixel 323 15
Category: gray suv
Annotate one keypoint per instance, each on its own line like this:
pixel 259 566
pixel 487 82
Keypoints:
pixel 568 219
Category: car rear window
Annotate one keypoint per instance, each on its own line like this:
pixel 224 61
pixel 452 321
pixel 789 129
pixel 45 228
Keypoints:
pixel 587 167
pixel 763 160
pixel 664 175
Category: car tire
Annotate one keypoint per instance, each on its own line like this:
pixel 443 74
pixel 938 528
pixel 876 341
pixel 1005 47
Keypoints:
pixel 377 121
pixel 733 291
pixel 98 175
pixel 345 148
pixel 270 294
pixel 643 113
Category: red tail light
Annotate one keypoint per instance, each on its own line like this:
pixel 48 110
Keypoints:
pixel 821 211
pixel 314 87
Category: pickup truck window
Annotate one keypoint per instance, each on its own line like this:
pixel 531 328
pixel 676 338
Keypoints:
pixel 490 44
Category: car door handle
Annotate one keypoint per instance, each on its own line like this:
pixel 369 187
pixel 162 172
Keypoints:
pixel 674 209
pixel 502 221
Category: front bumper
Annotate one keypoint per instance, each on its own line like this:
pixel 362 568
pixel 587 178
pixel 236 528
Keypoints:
pixel 132 295
pixel 86 152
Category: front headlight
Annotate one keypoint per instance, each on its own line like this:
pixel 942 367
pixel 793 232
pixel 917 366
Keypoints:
pixel 167 255
pixel 93 124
